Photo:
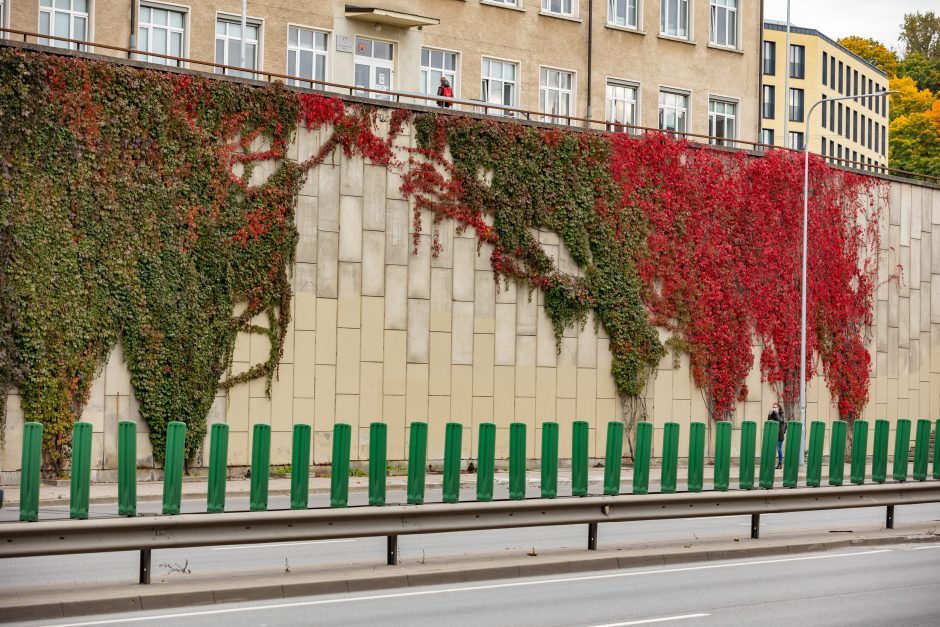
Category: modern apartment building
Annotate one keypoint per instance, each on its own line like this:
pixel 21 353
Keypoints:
pixel 682 65
pixel 848 132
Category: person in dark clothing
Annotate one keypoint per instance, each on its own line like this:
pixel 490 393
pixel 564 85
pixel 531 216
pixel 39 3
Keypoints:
pixel 444 89
pixel 777 414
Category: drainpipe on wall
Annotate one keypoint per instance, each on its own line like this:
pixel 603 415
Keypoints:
pixel 589 51
pixel 132 44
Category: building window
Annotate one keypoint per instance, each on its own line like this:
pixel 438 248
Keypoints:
pixel 825 69
pixel 674 18
pixel 796 105
pixel 769 98
pixel 721 122
pixel 556 95
pixel 884 141
pixel 839 130
pixel 621 106
pixel 869 134
pixel 870 90
pixel 855 126
pixel 797 61
pixel 3 35
pixel 724 18
pixel 374 67
pixel 795 140
pixel 162 31
pixel 770 58
pixel 228 40
pixel 839 149
pixel 824 110
pixel 67 18
pixel 558 7
pixel 832 151
pixel 822 146
pixel 511 3
pixel 876 139
pixel 623 13
pixel 435 65
pixel 673 111
pixel 767 136
pixel 498 83
pixel 840 78
pixel 855 82
pixel 832 76
pixel 307 55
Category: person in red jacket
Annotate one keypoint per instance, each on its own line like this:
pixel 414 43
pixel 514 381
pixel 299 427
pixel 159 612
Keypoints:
pixel 445 90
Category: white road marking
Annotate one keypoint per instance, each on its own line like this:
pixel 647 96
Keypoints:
pixel 419 593
pixel 276 544
pixel 647 621
pixel 923 548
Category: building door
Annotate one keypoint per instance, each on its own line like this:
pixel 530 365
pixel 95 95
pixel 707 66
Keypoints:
pixel 375 65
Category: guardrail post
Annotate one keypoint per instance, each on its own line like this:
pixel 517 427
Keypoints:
pixel 837 453
pixel 517 461
pixel 260 467
pixel 791 457
pixel 127 468
pixel 144 576
pixel 879 458
pixel 722 455
pixel 670 458
pixel 613 460
pixel 768 453
pixel 817 441
pixel 696 456
pixel 391 550
pixel 755 526
pixel 339 483
pixel 921 452
pixel 30 476
pixel 218 468
pixel 417 460
pixel 486 461
pixel 81 470
pixel 641 457
pixel 902 449
pixel 748 446
pixel 378 440
pixel 859 451
pixel 579 458
pixel 592 536
pixel 936 452
pixel 173 469
pixel 889 517
pixel 300 467
pixel 549 460
pixel 453 433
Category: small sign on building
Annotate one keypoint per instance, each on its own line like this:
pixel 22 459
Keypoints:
pixel 344 43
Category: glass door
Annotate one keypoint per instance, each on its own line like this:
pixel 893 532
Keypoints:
pixel 374 67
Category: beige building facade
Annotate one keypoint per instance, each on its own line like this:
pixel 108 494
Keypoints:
pixel 683 65
pixel 849 132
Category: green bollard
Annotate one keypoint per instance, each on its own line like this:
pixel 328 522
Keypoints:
pixel 791 454
pixel 81 470
pixel 300 467
pixel 417 460
pixel 127 468
pixel 486 461
pixel 859 451
pixel 641 457
pixel 722 455
pixel 837 453
pixel 614 459
pixel 218 468
pixel 339 483
pixel 902 449
pixel 921 452
pixel 378 445
pixel 879 458
pixel 579 458
pixel 549 460
pixel 260 467
pixel 696 456
pixel 453 433
pixel 517 461
pixel 768 453
pixel 817 442
pixel 748 446
pixel 30 472
pixel 936 451
pixel 173 467
pixel 670 458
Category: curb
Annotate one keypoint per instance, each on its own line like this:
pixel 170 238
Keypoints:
pixel 207 592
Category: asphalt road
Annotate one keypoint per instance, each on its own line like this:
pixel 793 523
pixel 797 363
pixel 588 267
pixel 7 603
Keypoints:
pixel 894 585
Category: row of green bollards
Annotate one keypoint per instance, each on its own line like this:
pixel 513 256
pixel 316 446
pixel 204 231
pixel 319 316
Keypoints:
pixel 339 492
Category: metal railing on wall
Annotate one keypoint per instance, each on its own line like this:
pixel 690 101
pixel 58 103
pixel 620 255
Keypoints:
pixel 463 105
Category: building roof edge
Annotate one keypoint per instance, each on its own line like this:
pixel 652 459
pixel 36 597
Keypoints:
pixel 782 26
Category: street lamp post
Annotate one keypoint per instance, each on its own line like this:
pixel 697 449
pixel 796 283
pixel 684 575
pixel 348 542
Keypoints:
pixel 809 115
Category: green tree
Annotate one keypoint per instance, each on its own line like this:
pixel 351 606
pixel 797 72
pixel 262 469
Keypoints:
pixel 915 141
pixel 874 52
pixel 920 34
pixel 924 71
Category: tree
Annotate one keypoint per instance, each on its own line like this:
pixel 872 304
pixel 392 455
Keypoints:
pixel 909 98
pixel 915 141
pixel 924 71
pixel 920 34
pixel 874 52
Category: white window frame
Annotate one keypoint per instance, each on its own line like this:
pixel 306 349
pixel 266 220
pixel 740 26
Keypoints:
pixel 610 119
pixel 571 12
pixel 562 92
pixel 613 5
pixel 316 53
pixel 515 82
pixel 764 137
pixel 730 9
pixel 513 4
pixel 796 135
pixel 184 31
pixel 232 18
pixel 373 62
pixel 48 8
pixel 673 91
pixel 428 86
pixel 666 7
pixel 4 4
pixel 729 140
